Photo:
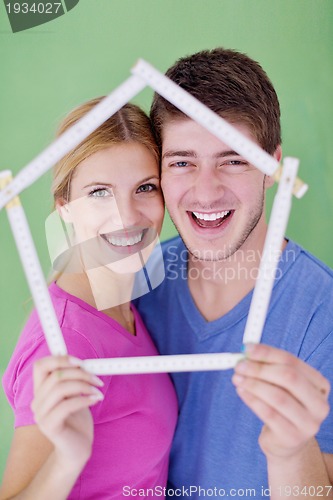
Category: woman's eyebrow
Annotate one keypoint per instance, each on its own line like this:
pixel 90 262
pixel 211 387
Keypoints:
pixel 107 184
pixel 148 179
pixel 97 183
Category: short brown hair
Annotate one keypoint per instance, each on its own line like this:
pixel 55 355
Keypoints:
pixel 229 83
pixel 129 124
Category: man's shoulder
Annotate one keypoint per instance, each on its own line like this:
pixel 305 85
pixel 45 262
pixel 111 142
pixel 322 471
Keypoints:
pixel 174 243
pixel 171 251
pixel 175 254
pixel 306 287
pixel 309 264
pixel 160 266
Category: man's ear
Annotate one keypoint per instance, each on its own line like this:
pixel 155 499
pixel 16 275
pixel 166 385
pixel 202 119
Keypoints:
pixel 63 210
pixel 278 153
pixel 269 181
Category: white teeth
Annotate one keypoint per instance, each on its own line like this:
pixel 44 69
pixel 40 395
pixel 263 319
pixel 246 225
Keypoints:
pixel 125 242
pixel 218 215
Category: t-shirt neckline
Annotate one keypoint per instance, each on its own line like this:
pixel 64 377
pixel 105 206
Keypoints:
pixel 205 329
pixel 63 294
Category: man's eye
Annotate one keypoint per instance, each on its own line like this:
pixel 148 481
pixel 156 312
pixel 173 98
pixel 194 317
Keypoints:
pixel 236 165
pixel 99 193
pixel 181 164
pixel 235 162
pixel 147 188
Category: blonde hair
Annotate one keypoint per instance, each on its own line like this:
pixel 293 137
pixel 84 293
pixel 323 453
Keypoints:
pixel 129 124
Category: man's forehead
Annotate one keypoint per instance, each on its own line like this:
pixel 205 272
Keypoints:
pixel 186 137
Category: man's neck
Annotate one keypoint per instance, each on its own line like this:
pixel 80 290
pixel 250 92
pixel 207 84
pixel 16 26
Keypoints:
pixel 217 287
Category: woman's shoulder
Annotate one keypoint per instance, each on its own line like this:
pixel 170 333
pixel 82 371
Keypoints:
pixel 74 324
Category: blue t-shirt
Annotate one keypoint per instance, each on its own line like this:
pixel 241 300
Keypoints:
pixel 216 442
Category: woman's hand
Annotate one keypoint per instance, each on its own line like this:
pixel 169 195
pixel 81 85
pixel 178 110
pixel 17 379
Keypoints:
pixel 63 393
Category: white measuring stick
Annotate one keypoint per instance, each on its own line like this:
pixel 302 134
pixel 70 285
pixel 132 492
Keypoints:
pixel 50 325
pixel 271 253
pixel 53 334
pixel 33 271
pixel 205 117
pixel 72 137
pixel 163 364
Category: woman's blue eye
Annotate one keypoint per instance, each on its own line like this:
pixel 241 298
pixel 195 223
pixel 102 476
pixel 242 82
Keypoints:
pixel 147 188
pixel 181 163
pixel 99 193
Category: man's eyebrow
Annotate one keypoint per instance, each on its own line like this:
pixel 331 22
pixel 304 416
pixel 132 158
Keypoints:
pixel 189 153
pixel 223 154
pixel 186 153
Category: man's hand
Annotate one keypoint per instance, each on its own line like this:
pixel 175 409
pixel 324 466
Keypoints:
pixel 288 395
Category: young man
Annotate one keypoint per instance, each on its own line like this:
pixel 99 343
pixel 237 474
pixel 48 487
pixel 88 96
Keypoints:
pixel 266 430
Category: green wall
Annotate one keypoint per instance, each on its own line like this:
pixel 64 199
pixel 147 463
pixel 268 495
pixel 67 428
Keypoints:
pixel 47 70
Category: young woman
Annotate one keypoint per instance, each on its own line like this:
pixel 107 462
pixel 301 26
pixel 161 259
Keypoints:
pixel 108 191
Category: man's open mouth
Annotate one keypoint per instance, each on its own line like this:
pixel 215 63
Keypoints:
pixel 214 219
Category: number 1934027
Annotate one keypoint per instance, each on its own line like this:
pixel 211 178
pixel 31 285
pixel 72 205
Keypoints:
pixel 34 8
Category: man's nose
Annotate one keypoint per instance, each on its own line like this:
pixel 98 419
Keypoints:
pixel 207 185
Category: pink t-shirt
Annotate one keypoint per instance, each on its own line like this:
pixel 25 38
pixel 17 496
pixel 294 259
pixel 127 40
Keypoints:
pixel 135 422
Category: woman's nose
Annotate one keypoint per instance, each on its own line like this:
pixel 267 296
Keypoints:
pixel 125 212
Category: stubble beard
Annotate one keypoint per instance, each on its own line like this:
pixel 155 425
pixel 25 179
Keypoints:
pixel 228 252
